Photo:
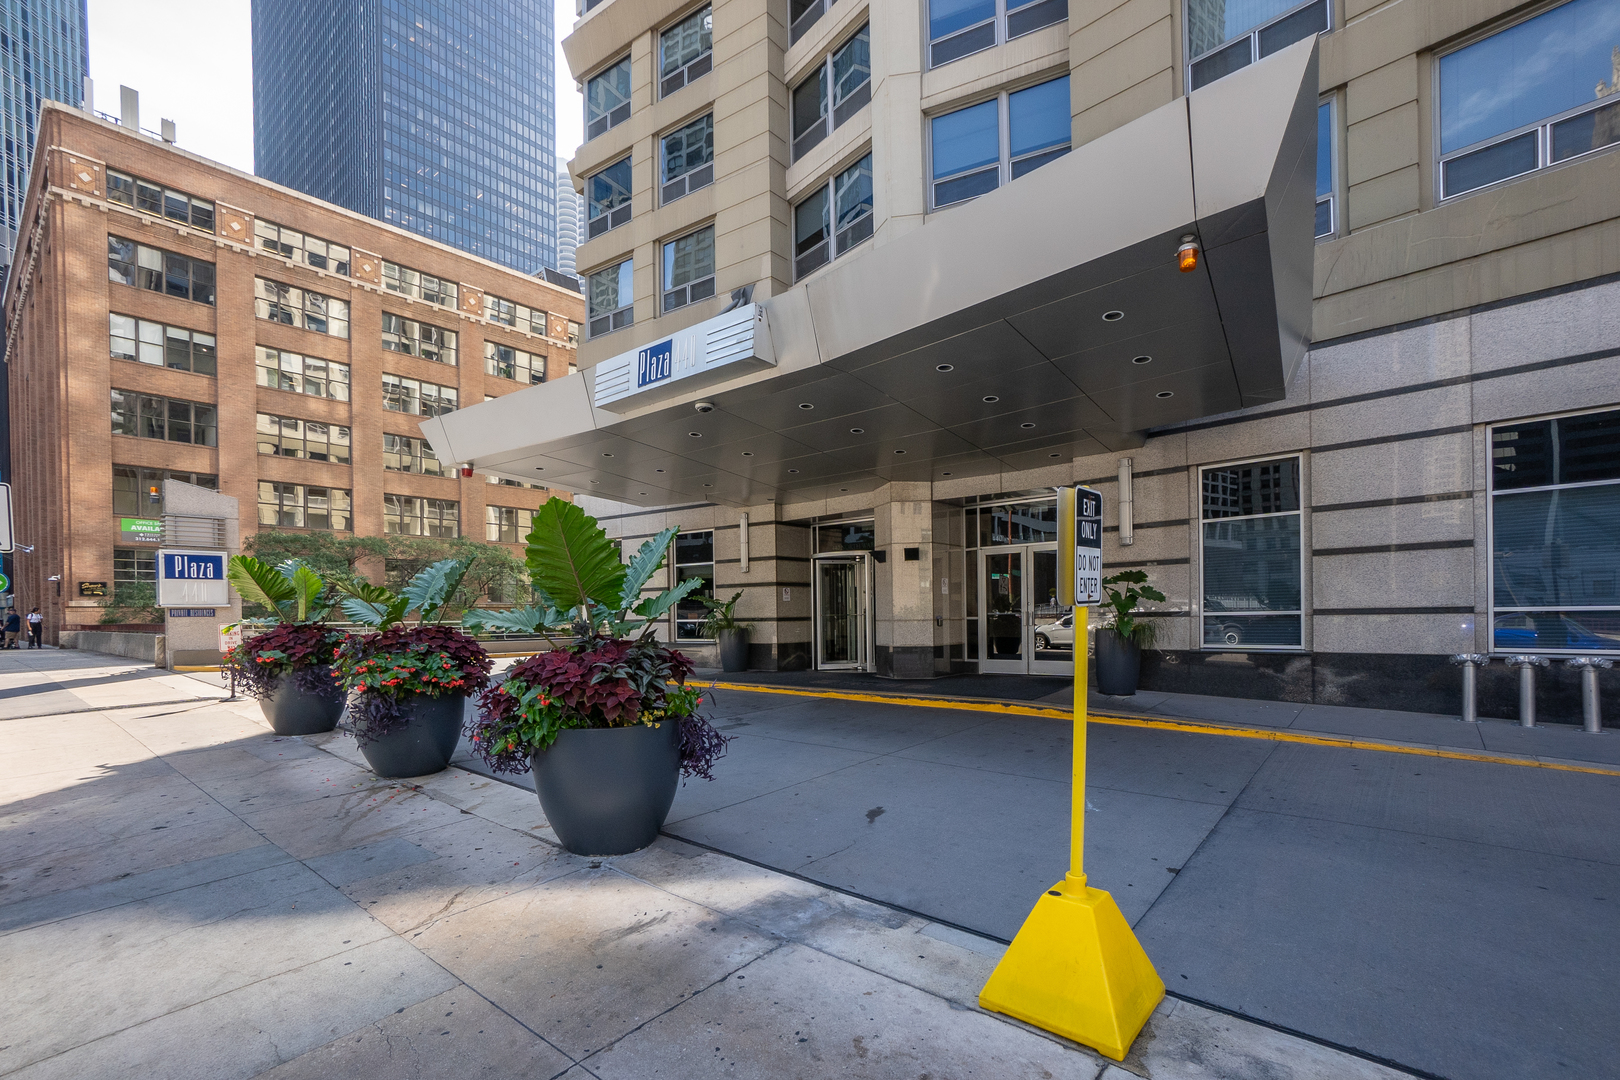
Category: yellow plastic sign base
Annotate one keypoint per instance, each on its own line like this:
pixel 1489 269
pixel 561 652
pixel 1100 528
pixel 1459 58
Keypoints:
pixel 1077 970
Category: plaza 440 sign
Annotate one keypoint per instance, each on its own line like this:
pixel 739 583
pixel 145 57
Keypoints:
pixel 192 579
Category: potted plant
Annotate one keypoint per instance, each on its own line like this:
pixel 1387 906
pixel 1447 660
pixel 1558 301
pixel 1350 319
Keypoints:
pixel 606 721
pixel 409 681
pixel 1121 640
pixel 722 625
pixel 288 666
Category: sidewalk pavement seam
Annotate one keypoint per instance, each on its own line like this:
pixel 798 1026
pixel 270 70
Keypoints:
pixel 114 708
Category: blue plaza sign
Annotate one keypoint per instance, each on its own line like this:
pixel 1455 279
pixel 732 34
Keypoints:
pixel 192 579
pixel 184 564
pixel 655 363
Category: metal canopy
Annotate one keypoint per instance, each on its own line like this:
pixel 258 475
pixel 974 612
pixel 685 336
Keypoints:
pixel 1043 321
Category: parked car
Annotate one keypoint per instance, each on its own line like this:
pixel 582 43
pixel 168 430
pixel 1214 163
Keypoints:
pixel 1056 634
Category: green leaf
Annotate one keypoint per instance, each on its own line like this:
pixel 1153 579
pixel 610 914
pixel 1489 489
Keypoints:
pixel 643 566
pixel 428 591
pixel 261 583
pixel 571 559
pixel 522 620
pixel 372 605
pixel 307 586
pixel 654 606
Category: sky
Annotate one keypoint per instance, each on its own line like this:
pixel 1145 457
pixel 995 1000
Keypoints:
pixel 191 60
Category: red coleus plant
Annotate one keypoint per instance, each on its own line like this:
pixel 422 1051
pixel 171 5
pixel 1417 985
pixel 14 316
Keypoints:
pixel 303 650
pixel 383 669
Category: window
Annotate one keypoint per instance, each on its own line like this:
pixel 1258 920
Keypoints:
pixel 309 250
pixel 518 316
pixel 404 515
pixel 414 283
pixel 1555 534
pixel 505 362
pixel 508 524
pixel 134 565
pixel 607 99
pixel 417 398
pixel 694 558
pixel 1251 555
pixel 283 436
pixel 957 28
pixel 967 146
pixel 147 417
pixel 294 506
pixel 573 340
pixel 1326 133
pixel 402 453
pixel 841 84
pixel 414 338
pixel 282 370
pixel 609 195
pixel 685 51
pixel 611 297
pixel 502 481
pixel 1523 99
pixel 803 14
pixel 688 159
pixel 833 219
pixel 1223 36
pixel 149 198
pixel 300 307
pixel 162 346
pixel 846 536
pixel 138 492
pixel 155 270
pixel 689 269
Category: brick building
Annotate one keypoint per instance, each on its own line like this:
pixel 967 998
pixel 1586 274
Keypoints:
pixel 169 317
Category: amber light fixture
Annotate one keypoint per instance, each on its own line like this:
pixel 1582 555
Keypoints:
pixel 1187 254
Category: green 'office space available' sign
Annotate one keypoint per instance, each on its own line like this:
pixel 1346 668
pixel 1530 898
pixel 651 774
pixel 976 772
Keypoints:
pixel 148 529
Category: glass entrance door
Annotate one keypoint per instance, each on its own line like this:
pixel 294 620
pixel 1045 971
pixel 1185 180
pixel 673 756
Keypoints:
pixel 842 638
pixel 1004 609
pixel 1024 630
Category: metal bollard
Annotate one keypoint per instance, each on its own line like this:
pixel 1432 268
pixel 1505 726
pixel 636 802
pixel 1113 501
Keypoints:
pixel 1591 709
pixel 1469 661
pixel 1527 665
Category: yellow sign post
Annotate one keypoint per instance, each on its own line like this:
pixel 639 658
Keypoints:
pixel 1076 968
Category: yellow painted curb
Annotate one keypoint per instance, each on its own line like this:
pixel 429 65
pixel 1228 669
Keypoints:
pixel 189 668
pixel 1167 724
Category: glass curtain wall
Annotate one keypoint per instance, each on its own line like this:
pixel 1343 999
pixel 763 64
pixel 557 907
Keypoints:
pixel 1252 572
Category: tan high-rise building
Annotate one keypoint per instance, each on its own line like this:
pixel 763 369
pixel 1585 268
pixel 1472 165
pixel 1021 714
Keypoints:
pixel 169 317
pixel 1318 295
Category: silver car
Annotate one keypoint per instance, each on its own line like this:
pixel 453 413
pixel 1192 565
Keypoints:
pixel 1056 634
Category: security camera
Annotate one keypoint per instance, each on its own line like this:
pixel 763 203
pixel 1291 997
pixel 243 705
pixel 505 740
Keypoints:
pixel 704 406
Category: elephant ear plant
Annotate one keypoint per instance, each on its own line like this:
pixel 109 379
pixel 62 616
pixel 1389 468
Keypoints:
pixel 599 676
pixel 298 643
pixel 1122 593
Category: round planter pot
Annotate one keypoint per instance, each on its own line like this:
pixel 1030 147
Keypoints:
pixel 606 791
pixel 426 741
pixel 734 650
pixel 292 711
pixel 1119 664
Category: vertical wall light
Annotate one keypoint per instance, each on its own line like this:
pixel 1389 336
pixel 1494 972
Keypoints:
pixel 742 553
pixel 1127 510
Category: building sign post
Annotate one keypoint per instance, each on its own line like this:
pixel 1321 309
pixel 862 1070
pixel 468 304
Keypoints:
pixel 1075 967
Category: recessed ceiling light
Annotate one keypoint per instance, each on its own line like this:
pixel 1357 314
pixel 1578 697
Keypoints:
pixel 1141 359
pixel 899 451
pixel 540 468
pixel 659 470
pixel 945 367
pixel 944 474
pixel 1165 394
pixel 793 470
pixel 1054 455
pixel 1026 426
pixel 695 434
pixel 857 431
pixel 806 405
pixel 1113 316
pixel 748 453
pixel 607 455
pixel 641 493
pixel 991 399
pixel 708 485
pixel 596 481
pixel 843 489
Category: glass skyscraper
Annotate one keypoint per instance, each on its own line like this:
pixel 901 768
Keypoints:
pixel 44 56
pixel 433 115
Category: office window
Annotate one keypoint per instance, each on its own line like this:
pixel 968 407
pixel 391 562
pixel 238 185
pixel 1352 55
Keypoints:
pixel 282 370
pixel 416 397
pixel 610 295
pixel 503 482
pixel 573 341
pixel 518 316
pixel 155 270
pixel 685 51
pixel 1537 93
pixel 833 219
pixel 803 14
pixel 151 198
pixel 403 453
pixel 508 524
pixel 313 440
pixel 145 416
pixel 405 515
pixel 1251 555
pixel 153 343
pixel 296 506
pixel 1555 534
pixel 1223 36
pixel 408 282
pixel 131 566
pixel 694 557
pixel 609 194
pixel 607 99
pixel 505 362
pixel 300 247
pixel 688 159
pixel 958 28
pixel 968 156
pixel 413 338
pixel 138 492
pixel 836 91
pixel 689 269
pixel 300 307
pixel 1327 222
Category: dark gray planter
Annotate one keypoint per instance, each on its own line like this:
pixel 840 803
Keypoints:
pixel 606 791
pixel 426 741
pixel 1119 664
pixel 734 650
pixel 292 711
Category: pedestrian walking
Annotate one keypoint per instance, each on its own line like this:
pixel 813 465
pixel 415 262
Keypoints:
pixel 13 625
pixel 36 628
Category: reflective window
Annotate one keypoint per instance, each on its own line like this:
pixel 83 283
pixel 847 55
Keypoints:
pixel 608 193
pixel 156 270
pixel 404 453
pixel 414 283
pixel 968 158
pixel 416 397
pixel 607 99
pixel 689 269
pixel 146 416
pixel 151 198
pixel 413 338
pixel 833 219
pixel 610 296
pixel 685 51
pixel 694 557
pixel 507 524
pixel 505 362
pixel 517 316
pixel 279 369
pixel 299 247
pixel 134 565
pixel 837 89
pixel 1326 142
pixel 687 158
pixel 162 346
pixel 1225 35
pixel 313 440
pixel 1032 522
pixel 297 506
pixel 138 492
pixel 1252 584
pixel 404 515
pixel 846 536
pixel 957 28
pixel 300 307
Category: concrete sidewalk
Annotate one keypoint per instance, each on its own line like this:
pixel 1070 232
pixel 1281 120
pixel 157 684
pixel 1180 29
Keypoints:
pixel 51 681
pixel 185 895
